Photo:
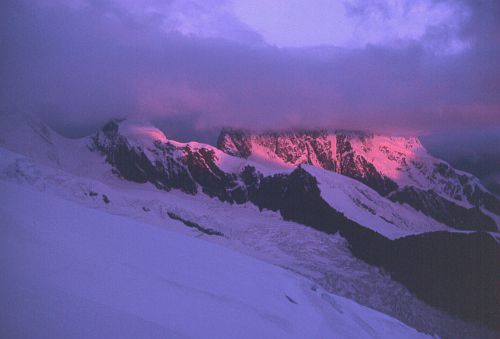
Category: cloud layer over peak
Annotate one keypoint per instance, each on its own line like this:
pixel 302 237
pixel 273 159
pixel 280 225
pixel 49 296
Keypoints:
pixel 80 63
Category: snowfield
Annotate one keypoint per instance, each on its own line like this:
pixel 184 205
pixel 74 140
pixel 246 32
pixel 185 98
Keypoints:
pixel 74 272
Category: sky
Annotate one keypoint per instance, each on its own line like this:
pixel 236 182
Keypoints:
pixel 389 66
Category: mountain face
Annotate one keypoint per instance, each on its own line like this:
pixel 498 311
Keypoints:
pixel 396 167
pixel 294 192
pixel 193 167
pixel 361 206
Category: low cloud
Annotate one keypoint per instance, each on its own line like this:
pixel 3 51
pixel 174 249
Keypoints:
pixel 77 66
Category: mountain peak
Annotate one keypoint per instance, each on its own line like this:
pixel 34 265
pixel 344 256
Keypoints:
pixel 137 132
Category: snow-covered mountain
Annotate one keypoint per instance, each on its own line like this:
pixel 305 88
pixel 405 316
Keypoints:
pixel 331 229
pixel 399 168
pixel 193 167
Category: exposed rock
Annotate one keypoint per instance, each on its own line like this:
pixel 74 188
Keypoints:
pixel 399 168
pixel 457 272
pixel 444 210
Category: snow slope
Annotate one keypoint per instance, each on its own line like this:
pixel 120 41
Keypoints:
pixel 360 203
pixel 71 271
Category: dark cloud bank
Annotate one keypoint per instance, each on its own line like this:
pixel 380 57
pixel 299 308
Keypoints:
pixel 77 68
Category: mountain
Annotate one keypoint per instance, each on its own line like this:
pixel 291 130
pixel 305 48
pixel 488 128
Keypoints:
pixel 330 228
pixel 398 168
pixel 193 167
pixel 478 152
pixel 485 166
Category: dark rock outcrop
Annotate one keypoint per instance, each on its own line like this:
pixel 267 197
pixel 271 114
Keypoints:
pixel 457 272
pixel 213 181
pixel 297 197
pixel 237 145
pixel 444 210
pixel 131 162
pixel 194 225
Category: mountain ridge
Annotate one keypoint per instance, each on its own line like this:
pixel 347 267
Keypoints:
pixel 396 167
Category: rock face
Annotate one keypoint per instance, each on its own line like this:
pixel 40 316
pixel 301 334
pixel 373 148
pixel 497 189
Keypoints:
pixel 443 210
pixel 396 167
pixel 165 164
pixel 132 162
pixel 296 196
pixel 457 272
pixel 358 167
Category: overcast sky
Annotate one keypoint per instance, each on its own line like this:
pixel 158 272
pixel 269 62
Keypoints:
pixel 391 66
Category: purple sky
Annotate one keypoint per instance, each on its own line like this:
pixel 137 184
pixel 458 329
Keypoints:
pixel 392 66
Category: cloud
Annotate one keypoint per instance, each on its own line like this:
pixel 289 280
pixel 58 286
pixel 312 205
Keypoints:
pixel 83 63
pixel 435 24
pixel 353 23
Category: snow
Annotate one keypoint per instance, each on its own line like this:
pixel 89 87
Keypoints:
pixel 30 137
pixel 233 164
pixel 389 154
pixel 263 155
pixel 72 271
pixel 360 203
pixel 141 132
pixel 407 162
